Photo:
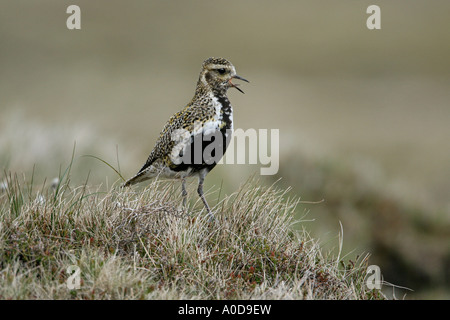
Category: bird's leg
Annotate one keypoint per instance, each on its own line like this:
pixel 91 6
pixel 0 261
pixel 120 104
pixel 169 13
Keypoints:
pixel 202 196
pixel 184 192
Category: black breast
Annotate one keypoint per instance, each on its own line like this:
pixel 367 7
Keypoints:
pixel 205 151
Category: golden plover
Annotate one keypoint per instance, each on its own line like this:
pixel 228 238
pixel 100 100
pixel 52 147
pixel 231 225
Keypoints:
pixel 195 138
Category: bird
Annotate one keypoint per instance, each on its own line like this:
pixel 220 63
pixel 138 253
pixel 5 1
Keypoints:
pixel 195 138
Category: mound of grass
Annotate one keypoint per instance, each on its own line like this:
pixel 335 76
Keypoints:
pixel 139 244
pixel 399 229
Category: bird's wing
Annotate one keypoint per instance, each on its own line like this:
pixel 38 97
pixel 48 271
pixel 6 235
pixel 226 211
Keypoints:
pixel 162 147
pixel 164 143
pixel 180 123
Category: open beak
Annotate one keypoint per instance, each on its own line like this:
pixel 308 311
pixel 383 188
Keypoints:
pixel 236 85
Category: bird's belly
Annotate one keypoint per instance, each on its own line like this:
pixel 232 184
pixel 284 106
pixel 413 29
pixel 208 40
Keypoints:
pixel 203 149
pixel 205 145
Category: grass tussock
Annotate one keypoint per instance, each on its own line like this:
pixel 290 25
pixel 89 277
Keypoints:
pixel 139 244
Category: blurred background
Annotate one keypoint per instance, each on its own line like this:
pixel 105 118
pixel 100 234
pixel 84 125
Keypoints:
pixel 364 115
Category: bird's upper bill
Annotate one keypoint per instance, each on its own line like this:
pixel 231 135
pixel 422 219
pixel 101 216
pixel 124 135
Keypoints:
pixel 232 85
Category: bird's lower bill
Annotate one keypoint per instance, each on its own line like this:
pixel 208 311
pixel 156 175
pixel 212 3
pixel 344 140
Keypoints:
pixel 232 85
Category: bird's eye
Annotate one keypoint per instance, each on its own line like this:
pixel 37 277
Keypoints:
pixel 221 70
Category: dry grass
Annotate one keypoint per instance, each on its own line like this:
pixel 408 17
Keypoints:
pixel 137 244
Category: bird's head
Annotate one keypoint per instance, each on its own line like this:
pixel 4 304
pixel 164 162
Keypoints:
pixel 216 75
